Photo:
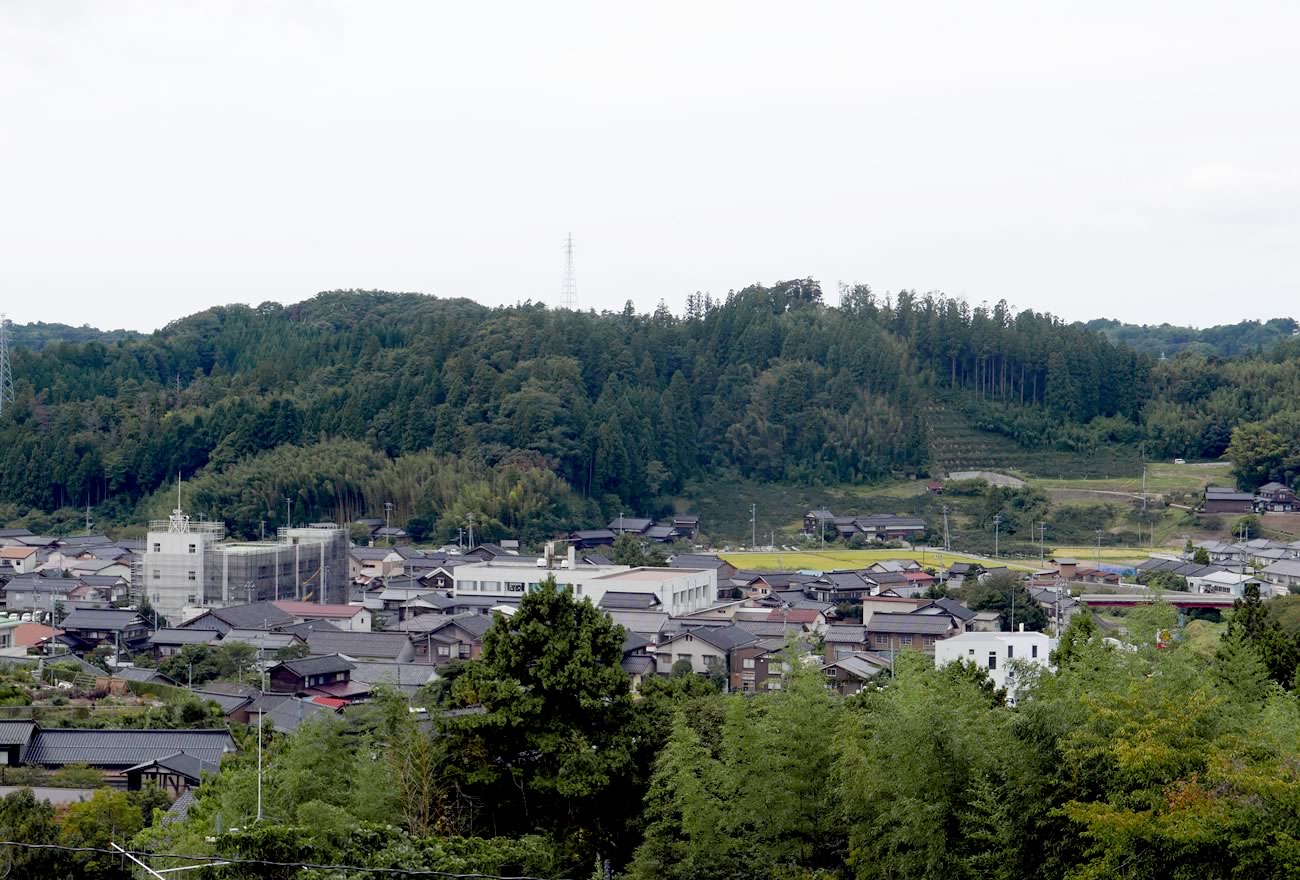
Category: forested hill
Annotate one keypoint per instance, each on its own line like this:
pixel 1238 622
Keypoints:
pixel 1223 340
pixel 536 419
pixel 39 334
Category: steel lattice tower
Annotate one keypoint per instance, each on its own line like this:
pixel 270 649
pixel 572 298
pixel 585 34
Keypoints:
pixel 6 374
pixel 569 288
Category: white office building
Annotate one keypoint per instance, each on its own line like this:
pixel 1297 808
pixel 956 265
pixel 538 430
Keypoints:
pixel 680 590
pixel 189 565
pixel 998 653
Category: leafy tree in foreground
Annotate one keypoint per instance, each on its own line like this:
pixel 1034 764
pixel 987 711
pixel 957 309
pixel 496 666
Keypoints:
pixel 556 745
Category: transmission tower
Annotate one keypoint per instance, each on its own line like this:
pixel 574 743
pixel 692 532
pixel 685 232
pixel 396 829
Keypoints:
pixel 6 374
pixel 569 289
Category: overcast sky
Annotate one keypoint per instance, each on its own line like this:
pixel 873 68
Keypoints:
pixel 1138 161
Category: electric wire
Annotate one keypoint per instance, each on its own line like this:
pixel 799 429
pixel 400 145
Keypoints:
pixel 230 860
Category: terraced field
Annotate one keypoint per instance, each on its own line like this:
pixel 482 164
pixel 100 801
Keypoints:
pixel 956 445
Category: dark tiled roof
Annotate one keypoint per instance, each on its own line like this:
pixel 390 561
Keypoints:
pixel 359 644
pixel 846 635
pixel 638 664
pixel 228 702
pixel 630 524
pixel 258 615
pixel 180 809
pixel 187 765
pixel 260 638
pixel 101 618
pixel 287 712
pixel 125 748
pixel 889 520
pixel 139 673
pixel 633 642
pixel 317 665
pixel 594 535
pixel 475 624
pixel 949 606
pixel 13 733
pixel 406 677
pixel 307 627
pixel 724 637
pixel 642 622
pixel 770 629
pixel 182 637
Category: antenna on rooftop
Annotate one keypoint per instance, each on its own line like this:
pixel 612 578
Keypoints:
pixel 569 287
pixel 6 374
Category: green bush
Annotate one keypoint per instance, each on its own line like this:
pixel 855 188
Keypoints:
pixel 76 776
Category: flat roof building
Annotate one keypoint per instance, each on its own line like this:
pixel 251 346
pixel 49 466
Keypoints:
pixel 189 565
pixel 680 590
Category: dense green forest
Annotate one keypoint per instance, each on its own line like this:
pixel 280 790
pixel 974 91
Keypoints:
pixel 39 334
pixel 1170 759
pixel 1223 340
pixel 538 419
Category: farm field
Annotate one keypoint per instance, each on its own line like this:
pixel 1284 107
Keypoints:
pixel 1108 554
pixel 1161 479
pixel 825 560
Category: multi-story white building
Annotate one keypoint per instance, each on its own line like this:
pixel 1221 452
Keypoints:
pixel 998 653
pixel 680 590
pixel 189 565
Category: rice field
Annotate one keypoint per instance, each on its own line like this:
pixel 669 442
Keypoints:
pixel 1108 554
pixel 825 560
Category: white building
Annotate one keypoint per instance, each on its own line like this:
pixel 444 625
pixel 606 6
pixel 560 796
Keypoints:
pixel 1223 583
pixel 998 653
pixel 189 565
pixel 680 590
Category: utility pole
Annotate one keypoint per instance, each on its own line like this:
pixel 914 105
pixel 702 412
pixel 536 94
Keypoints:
pixel 261 523
pixel 469 521
pixel 997 524
pixel 1099 548
pixel 753 526
pixel 288 513
pixel 259 764
pixel 388 512
pixel 947 542
pixel 1042 528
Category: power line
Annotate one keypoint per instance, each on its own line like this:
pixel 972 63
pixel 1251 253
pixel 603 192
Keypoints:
pixel 224 860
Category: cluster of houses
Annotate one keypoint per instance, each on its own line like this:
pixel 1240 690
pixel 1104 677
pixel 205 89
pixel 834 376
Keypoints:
pixel 1268 498
pixel 874 527
pixel 1272 565
pixel 410 614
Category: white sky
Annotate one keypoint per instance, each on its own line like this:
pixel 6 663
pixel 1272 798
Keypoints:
pixel 1138 161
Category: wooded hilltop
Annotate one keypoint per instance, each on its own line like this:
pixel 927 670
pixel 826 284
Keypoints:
pixel 540 420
